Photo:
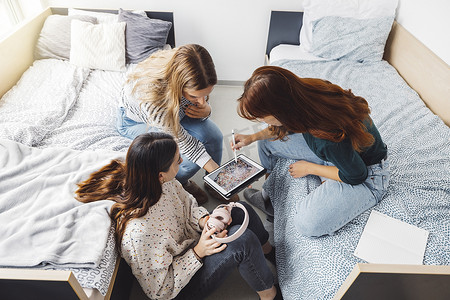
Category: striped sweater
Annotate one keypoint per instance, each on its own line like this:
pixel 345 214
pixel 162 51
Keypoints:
pixel 156 117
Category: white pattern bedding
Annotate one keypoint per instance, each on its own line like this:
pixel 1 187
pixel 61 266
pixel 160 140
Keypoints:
pixel 56 104
pixel 90 124
pixel 40 101
pixel 419 192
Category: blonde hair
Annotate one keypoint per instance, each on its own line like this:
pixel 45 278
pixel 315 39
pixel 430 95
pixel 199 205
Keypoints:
pixel 162 78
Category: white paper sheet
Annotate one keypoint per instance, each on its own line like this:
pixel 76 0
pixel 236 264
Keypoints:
pixel 387 240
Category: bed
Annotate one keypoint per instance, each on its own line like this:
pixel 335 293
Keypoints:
pixel 418 143
pixel 57 116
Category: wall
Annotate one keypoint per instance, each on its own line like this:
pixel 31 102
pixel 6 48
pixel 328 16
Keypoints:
pixel 429 22
pixel 235 31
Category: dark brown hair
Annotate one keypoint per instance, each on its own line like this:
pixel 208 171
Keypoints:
pixel 133 185
pixel 302 105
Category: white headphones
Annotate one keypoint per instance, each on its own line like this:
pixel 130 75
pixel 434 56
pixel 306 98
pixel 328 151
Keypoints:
pixel 220 217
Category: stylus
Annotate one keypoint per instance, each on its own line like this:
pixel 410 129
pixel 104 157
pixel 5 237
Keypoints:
pixel 234 144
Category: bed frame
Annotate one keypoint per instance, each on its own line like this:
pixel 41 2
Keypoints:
pixel 423 70
pixel 389 281
pixel 17 55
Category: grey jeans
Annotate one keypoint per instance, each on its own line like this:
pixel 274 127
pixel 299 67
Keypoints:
pixel 244 253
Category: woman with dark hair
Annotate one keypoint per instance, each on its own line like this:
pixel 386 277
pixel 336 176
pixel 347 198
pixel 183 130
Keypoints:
pixel 161 232
pixel 169 92
pixel 329 132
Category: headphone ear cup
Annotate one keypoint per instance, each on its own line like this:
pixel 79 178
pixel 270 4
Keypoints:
pixel 219 218
pixel 214 223
pixel 241 229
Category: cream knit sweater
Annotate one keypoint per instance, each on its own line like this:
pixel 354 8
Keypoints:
pixel 158 246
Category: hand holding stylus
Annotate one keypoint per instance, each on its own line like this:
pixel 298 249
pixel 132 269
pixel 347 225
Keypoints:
pixel 241 140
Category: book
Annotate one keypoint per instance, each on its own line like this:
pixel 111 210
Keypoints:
pixel 386 240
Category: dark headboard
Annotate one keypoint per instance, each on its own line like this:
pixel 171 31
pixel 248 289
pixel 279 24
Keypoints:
pixel 166 16
pixel 284 28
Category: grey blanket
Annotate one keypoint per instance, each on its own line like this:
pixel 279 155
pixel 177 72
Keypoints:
pixel 41 224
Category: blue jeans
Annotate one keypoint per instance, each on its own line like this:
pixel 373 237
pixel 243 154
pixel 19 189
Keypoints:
pixel 244 253
pixel 333 204
pixel 206 131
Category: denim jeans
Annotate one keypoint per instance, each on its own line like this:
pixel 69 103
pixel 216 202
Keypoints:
pixel 333 204
pixel 245 253
pixel 206 131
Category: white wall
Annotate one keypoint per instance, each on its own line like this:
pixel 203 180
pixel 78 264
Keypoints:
pixel 429 22
pixel 235 31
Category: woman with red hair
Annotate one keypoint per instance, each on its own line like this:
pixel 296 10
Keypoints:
pixel 329 132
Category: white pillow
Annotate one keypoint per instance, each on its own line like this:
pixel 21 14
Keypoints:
pixel 100 46
pixel 102 17
pixel 358 9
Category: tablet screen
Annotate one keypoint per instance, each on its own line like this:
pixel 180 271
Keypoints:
pixel 233 174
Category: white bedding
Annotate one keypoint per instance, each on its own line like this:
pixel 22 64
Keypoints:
pixel 41 223
pixel 291 52
pixel 40 101
pixel 90 124
pixel 57 105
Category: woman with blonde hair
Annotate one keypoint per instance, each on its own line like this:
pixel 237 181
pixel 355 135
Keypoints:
pixel 169 92
pixel 329 132
pixel 161 232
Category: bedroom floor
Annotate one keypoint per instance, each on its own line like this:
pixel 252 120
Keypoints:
pixel 223 103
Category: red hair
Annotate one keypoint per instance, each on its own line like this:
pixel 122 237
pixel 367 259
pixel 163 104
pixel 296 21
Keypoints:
pixel 302 105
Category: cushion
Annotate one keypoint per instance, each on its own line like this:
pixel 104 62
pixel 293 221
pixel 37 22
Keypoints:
pixel 143 35
pixel 358 9
pixel 54 39
pixel 100 46
pixel 360 40
pixel 102 17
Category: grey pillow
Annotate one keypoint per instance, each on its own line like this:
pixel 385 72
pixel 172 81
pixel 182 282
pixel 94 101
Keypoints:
pixel 54 39
pixel 143 35
pixel 361 40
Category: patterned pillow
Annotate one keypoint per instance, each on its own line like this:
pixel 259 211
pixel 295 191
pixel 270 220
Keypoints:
pixel 341 38
pixel 143 35
pixel 54 39
pixel 100 46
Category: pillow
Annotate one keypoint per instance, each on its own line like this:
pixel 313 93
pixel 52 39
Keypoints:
pixel 100 46
pixel 358 9
pixel 102 17
pixel 143 35
pixel 54 39
pixel 360 40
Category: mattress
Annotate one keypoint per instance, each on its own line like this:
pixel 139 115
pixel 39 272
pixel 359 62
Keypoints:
pixel 56 104
pixel 419 156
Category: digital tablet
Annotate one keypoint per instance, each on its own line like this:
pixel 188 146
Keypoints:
pixel 234 176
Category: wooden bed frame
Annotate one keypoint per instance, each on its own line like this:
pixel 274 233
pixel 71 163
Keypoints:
pixel 17 55
pixel 423 70
pixel 389 281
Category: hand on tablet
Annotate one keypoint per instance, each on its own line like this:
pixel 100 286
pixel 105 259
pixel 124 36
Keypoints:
pixel 241 141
